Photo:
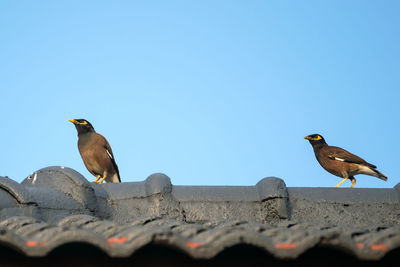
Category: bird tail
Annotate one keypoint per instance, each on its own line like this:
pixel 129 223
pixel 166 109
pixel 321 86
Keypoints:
pixel 372 171
pixel 115 178
pixel 380 175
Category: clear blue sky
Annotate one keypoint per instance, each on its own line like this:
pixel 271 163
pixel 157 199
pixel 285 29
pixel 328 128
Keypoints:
pixel 207 92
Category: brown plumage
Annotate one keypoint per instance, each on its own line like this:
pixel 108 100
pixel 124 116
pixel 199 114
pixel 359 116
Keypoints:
pixel 96 153
pixel 340 162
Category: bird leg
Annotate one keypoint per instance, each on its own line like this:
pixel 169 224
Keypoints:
pixel 102 179
pixel 97 179
pixel 341 182
pixel 353 181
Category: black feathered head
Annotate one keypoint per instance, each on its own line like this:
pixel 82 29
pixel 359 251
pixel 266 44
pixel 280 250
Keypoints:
pixel 82 126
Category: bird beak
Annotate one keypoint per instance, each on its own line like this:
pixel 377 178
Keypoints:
pixel 74 121
pixel 307 137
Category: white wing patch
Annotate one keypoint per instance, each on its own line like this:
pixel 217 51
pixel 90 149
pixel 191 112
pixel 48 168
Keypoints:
pixel 109 154
pixel 339 159
pixel 336 158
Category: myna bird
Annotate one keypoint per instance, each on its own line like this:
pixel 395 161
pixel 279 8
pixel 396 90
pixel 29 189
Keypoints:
pixel 340 162
pixel 96 153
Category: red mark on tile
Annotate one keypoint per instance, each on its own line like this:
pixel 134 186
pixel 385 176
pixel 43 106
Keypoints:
pixel 359 245
pixel 286 245
pixel 191 244
pixel 32 243
pixel 381 247
pixel 116 240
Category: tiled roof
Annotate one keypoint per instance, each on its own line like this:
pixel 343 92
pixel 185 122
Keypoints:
pixel 201 241
pixel 57 206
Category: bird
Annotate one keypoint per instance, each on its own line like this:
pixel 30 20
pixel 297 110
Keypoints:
pixel 340 162
pixel 96 153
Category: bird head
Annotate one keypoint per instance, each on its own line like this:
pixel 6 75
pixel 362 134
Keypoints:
pixel 315 139
pixel 82 126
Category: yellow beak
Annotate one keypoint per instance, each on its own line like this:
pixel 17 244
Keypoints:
pixel 74 121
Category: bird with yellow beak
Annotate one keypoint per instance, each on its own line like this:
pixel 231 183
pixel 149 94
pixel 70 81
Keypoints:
pixel 96 153
pixel 340 162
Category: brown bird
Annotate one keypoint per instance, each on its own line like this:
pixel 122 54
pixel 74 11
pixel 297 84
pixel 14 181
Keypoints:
pixel 340 162
pixel 96 153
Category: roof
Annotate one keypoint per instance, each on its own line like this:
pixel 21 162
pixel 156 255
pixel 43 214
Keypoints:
pixel 56 206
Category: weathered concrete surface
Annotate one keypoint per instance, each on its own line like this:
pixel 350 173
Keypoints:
pixel 266 202
pixel 345 206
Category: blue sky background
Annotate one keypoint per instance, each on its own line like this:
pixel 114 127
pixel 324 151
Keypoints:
pixel 207 92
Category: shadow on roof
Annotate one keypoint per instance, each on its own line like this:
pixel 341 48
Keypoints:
pixel 77 250
pixel 84 254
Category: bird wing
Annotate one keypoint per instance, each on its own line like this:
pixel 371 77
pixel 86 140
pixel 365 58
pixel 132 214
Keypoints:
pixel 109 152
pixel 337 153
